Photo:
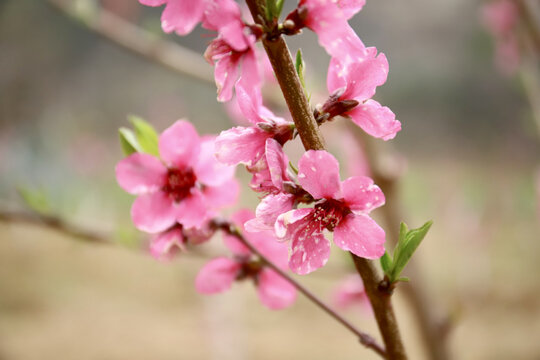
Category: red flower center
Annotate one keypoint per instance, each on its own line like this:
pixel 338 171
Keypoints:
pixel 329 213
pixel 179 183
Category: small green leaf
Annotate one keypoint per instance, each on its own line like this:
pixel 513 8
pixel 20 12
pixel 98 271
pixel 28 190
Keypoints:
pixel 128 141
pixel 407 245
pixel 404 279
pixel 294 169
pixel 279 7
pixel 386 263
pixel 271 10
pixel 35 199
pixel 147 137
pixel 300 67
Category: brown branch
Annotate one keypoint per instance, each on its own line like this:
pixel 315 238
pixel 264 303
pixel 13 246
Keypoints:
pixel 418 299
pixel 530 23
pixel 312 139
pixel 364 338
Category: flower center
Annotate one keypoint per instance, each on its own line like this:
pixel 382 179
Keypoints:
pixel 179 183
pixel 329 213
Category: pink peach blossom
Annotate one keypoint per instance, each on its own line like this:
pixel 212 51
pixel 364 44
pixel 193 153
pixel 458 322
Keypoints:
pixel 328 19
pixel 341 207
pixel 180 16
pixel 186 186
pixel 218 275
pixel 246 145
pixel 358 81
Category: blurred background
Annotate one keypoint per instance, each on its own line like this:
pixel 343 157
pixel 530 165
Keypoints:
pixel 468 154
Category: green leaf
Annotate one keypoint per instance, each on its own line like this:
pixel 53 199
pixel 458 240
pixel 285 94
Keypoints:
pixel 294 168
pixel 128 141
pixel 279 6
pixel 35 199
pixel 300 68
pixel 408 243
pixel 386 263
pixel 146 136
pixel 271 10
pixel 404 279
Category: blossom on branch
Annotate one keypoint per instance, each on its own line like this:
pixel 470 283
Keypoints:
pixel 186 186
pixel 358 81
pixel 340 207
pixel 180 16
pixel 219 274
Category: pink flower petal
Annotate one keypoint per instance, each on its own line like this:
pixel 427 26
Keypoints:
pixel 287 223
pixel 375 119
pixel 318 173
pixel 241 145
pixel 226 74
pixel 217 276
pixel 223 195
pixel 193 210
pixel 268 210
pixel 336 76
pixel 179 145
pixel 182 16
pixel 140 173
pixel 251 79
pixel 277 163
pixel 363 77
pixel 225 17
pixel 361 194
pixel 249 101
pixel 208 169
pixel 350 7
pixel 153 212
pixel 360 235
pixel 308 252
pixel 274 292
pixel 153 2
pixel 166 244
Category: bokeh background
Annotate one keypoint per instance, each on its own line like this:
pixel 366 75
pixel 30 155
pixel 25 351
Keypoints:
pixel 469 154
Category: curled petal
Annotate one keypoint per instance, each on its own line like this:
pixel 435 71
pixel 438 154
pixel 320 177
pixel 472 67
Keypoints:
pixel 140 173
pixel 360 235
pixel 318 173
pixel 375 119
pixel 179 145
pixel 274 292
pixel 277 163
pixel 217 276
pixel 153 212
pixel 226 74
pixel 361 194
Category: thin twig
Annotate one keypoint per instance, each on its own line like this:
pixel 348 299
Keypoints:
pixel 415 294
pixel 309 132
pixel 55 223
pixel 364 338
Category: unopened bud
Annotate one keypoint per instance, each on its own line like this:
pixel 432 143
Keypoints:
pixel 289 24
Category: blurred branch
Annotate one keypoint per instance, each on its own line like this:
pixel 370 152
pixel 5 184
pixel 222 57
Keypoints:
pixel 429 325
pixel 139 41
pixel 135 39
pixel 54 223
pixel 364 338
pixel 530 22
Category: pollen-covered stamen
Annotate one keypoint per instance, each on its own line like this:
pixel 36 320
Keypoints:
pixel 329 213
pixel 179 183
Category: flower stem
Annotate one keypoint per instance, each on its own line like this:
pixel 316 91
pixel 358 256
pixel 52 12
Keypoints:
pixel 365 339
pixel 312 139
